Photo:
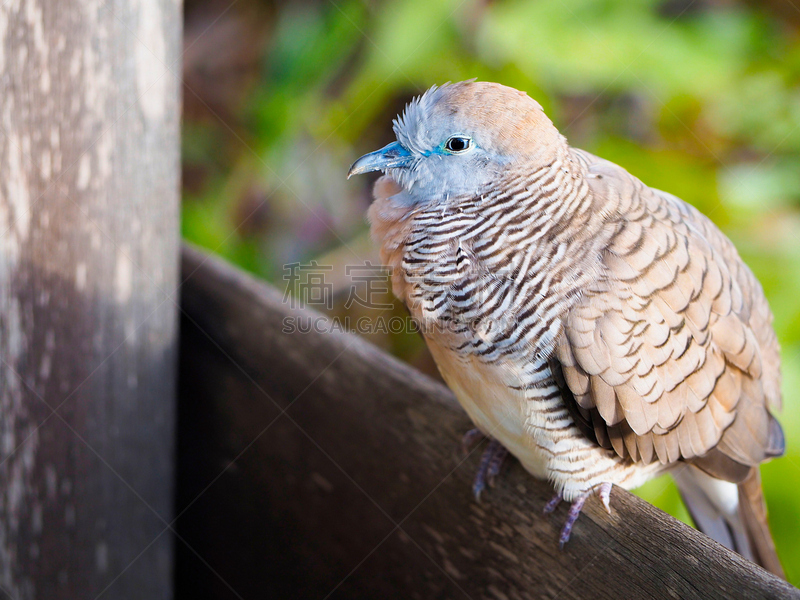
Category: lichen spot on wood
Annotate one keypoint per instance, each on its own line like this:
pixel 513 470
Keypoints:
pixel 151 71
pixel 123 276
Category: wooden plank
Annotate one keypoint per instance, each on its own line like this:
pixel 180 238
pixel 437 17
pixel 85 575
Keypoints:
pixel 89 199
pixel 315 466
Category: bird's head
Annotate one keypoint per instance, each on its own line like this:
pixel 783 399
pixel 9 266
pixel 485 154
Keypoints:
pixel 461 139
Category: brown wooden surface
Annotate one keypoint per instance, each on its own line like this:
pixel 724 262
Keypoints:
pixel 316 466
pixel 89 197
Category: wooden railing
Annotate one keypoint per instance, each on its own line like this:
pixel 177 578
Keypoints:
pixel 315 466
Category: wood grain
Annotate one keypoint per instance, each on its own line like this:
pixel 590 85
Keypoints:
pixel 89 202
pixel 316 466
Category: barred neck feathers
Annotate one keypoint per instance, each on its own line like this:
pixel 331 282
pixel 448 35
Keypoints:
pixel 528 221
pixel 481 166
pixel 527 207
pixel 546 201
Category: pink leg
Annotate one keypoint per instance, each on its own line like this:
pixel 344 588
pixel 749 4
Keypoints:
pixel 553 503
pixel 572 516
pixel 495 464
pixel 489 467
pixel 472 437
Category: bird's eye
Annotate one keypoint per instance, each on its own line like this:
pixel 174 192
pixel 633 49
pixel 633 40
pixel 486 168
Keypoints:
pixel 457 144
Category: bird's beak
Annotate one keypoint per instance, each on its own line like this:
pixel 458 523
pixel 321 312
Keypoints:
pixel 392 156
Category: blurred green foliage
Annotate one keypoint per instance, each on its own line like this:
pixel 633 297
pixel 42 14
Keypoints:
pixel 698 98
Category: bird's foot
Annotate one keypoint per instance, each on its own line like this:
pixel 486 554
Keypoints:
pixel 472 437
pixel 489 467
pixel 491 461
pixel 572 516
pixel 603 491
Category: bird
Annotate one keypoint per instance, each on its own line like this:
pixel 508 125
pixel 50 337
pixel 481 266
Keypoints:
pixel 601 331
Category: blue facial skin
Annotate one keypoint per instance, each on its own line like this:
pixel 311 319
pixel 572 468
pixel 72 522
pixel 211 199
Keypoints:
pixel 431 173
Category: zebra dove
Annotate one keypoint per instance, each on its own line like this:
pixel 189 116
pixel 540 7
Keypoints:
pixel 602 331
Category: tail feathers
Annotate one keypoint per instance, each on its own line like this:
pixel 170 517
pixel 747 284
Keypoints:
pixel 734 515
pixel 753 514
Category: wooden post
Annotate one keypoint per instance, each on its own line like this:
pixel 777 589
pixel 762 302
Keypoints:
pixel 89 196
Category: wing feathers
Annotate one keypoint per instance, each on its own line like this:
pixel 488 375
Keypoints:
pixel 665 349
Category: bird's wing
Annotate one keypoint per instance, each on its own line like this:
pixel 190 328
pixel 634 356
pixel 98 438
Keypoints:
pixel 671 355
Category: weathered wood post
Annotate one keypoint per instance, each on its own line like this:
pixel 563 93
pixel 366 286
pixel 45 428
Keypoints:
pixel 89 193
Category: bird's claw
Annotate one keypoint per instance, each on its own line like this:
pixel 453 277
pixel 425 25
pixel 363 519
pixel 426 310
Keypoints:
pixel 603 491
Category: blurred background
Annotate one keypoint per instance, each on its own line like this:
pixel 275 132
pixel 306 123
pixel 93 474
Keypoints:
pixel 701 99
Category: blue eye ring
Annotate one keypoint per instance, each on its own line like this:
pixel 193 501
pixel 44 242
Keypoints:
pixel 458 144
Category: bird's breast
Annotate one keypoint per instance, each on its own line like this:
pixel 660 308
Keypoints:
pixel 494 404
pixel 489 302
